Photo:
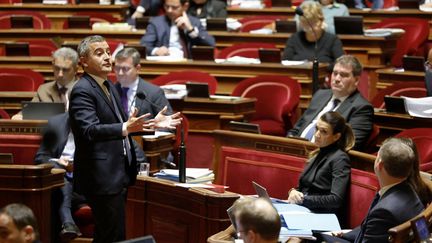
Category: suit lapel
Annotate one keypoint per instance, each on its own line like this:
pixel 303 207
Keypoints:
pixel 99 91
pixel 54 93
pixel 347 103
pixel 139 102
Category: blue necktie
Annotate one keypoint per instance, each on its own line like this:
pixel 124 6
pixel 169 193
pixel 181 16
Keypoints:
pixel 124 100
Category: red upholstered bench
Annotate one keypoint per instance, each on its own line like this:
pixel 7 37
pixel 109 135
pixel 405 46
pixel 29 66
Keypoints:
pixel 84 220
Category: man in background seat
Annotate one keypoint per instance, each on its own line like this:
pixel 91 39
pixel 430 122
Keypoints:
pixel 344 98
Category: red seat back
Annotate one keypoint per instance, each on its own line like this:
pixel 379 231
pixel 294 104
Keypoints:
pixel 40 21
pixel 249 50
pixel 258 22
pixel 364 185
pixel 422 137
pixel 183 77
pixel 4 114
pixel 412 42
pixel 22 147
pixel 409 89
pixel 14 79
pixel 279 107
pixel 238 167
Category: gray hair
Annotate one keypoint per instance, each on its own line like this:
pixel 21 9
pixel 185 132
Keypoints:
pixel 84 45
pixel 129 52
pixel 66 53
pixel 397 157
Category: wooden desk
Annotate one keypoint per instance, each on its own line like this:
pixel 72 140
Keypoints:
pixel 391 124
pixel 227 74
pixel 388 76
pixel 58 13
pixel 205 115
pixel 32 185
pixel 280 145
pixel 175 214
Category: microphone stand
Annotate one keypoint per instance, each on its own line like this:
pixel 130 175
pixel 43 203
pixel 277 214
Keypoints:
pixel 182 157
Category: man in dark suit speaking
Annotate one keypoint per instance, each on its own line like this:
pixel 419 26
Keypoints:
pixel 105 163
pixel 344 98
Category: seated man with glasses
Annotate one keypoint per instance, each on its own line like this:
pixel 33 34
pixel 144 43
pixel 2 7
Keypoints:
pixel 174 33
pixel 256 220
pixel 65 66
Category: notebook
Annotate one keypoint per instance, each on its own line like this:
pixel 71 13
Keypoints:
pixel 198 90
pixel 41 110
pixel 413 63
pixel 262 192
pixel 244 127
pixel 349 25
pixel 395 104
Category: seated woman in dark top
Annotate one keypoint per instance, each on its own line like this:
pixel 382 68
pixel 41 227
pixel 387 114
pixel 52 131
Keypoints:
pixel 204 9
pixel 324 182
pixel 301 45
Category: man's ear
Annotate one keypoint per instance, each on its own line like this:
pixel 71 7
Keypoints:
pixel 83 61
pixel 29 233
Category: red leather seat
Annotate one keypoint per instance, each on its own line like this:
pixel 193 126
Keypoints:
pixel 40 21
pixel 84 220
pixel 238 167
pixel 409 89
pixel 183 77
pixel 4 114
pixel 414 39
pixel 23 147
pixel 258 22
pixel 422 137
pixel 364 185
pixel 15 79
pixel 249 50
pixel 277 101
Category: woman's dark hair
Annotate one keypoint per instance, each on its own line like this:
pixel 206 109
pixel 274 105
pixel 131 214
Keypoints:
pixel 338 125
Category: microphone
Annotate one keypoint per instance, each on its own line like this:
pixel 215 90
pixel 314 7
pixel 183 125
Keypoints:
pixel 315 63
pixel 182 157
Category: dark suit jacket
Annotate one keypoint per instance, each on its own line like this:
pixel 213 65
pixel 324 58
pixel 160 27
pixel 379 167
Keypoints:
pixel 100 166
pixel 325 181
pixel 158 34
pixel 54 139
pixel 356 110
pixel 155 99
pixel 399 204
pixel 211 9
pixel 151 7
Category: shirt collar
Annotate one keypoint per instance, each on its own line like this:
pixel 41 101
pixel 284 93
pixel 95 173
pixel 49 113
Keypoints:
pixel 383 190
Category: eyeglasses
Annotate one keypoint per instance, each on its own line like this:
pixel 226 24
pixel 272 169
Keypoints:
pixel 124 69
pixel 166 7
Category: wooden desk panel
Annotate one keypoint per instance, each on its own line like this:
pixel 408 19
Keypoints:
pixel 58 13
pixel 32 185
pixel 391 124
pixel 388 76
pixel 175 214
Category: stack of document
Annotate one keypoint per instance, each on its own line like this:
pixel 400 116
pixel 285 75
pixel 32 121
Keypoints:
pixel 378 32
pixel 193 175
pixel 298 221
pixel 174 91
pixel 419 107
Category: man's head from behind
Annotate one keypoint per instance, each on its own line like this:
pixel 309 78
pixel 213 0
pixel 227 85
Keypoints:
pixel 256 220
pixel 127 66
pixel 345 76
pixel 394 161
pixel 95 56
pixel 65 65
pixel 175 8
pixel 18 224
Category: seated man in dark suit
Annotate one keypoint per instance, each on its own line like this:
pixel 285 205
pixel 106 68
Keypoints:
pixel 344 98
pixel 174 33
pixel 127 67
pixel 396 201
pixel 58 148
